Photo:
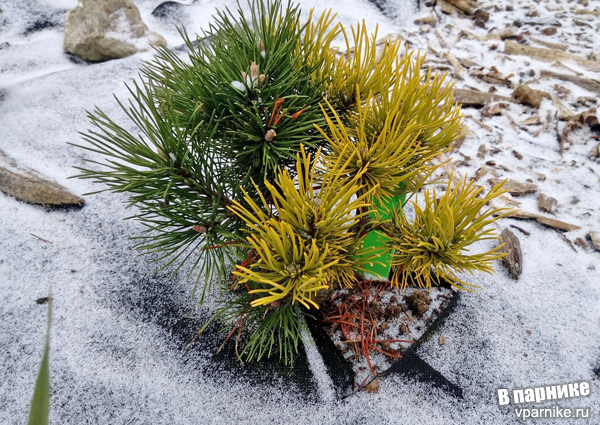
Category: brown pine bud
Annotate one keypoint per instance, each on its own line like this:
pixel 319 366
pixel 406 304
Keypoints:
pixel 200 229
pixel 253 70
pixel 317 203
pixel 292 269
pixel 270 135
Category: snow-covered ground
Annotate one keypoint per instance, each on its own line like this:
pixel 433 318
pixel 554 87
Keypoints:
pixel 117 353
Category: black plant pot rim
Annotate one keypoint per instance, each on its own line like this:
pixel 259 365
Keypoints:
pixel 411 365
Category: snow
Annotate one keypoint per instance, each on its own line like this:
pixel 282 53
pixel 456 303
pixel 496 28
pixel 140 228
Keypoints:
pixel 115 357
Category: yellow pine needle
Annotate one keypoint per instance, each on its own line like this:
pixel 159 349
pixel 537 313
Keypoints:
pixel 381 161
pixel 425 98
pixel 316 43
pixel 434 245
pixel 360 67
pixel 307 244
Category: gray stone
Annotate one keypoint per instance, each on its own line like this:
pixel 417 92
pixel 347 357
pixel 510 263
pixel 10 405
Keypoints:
pixel 100 30
pixel 528 96
pixel 595 237
pixel 515 188
pixel 27 186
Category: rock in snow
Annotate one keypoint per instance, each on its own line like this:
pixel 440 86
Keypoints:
pixel 514 187
pixel 527 96
pixel 100 30
pixel 547 203
pixel 36 190
pixel 514 257
pixel 28 186
pixel 595 237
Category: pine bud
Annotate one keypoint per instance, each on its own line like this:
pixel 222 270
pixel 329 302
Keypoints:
pixel 253 71
pixel 270 135
pixel 317 203
pixel 261 78
pixel 292 269
pixel 243 75
pixel 200 229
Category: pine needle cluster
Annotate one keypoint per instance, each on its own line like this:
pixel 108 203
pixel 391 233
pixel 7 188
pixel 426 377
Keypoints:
pixel 434 245
pixel 236 109
pixel 363 66
pixel 303 245
pixel 269 150
pixel 255 80
pixel 394 130
pixel 380 161
pixel 307 222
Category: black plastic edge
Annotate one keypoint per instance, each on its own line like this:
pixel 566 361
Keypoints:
pixel 413 366
pixel 342 373
pixel 435 325
pixel 339 370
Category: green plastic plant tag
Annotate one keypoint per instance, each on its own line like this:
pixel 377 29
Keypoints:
pixel 380 270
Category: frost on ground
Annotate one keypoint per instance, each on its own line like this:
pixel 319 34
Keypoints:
pixel 118 341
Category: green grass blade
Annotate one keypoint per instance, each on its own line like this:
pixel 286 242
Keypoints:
pixel 40 403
